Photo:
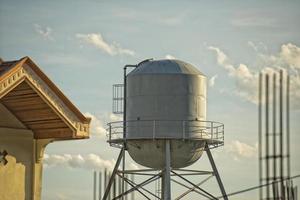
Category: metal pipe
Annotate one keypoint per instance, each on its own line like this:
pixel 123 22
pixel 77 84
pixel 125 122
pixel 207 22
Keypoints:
pixel 95 183
pixel 124 120
pixel 274 131
pixel 166 173
pixel 267 135
pixel 260 134
pixel 288 126
pixel 124 126
pixel 281 128
pixel 100 186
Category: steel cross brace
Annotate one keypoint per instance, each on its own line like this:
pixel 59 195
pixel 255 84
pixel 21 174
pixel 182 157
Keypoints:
pixel 192 189
pixel 137 186
pixel 207 194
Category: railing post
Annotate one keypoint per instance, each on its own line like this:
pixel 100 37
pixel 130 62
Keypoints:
pixel 109 133
pixel 211 130
pixel 183 130
pixel 217 132
pixel 153 130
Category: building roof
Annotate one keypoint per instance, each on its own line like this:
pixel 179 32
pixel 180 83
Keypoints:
pixel 165 67
pixel 38 103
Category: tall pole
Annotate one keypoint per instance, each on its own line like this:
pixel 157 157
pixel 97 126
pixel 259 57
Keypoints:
pixel 267 136
pixel 124 128
pixel 274 130
pixel 260 134
pixel 288 125
pixel 95 183
pixel 124 122
pixel 166 189
pixel 288 158
pixel 281 130
pixel 100 186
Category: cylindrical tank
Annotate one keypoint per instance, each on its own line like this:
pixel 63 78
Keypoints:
pixel 166 99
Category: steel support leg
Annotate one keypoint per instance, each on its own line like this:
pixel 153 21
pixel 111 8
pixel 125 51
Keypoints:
pixel 107 190
pixel 166 186
pixel 216 173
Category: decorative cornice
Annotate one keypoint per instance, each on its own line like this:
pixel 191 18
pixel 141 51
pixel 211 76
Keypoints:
pixel 25 73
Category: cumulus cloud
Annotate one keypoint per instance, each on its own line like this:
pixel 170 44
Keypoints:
pixel 240 150
pixel 257 46
pixel 246 78
pixel 290 54
pixel 170 57
pixel 99 124
pixel 212 81
pixel 98 41
pixel 90 161
pixel 45 32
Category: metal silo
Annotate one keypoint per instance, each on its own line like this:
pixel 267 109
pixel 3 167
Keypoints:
pixel 166 99
pixel 164 125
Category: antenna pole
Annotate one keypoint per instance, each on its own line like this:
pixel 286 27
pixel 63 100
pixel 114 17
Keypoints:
pixel 267 136
pixel 260 134
pixel 281 131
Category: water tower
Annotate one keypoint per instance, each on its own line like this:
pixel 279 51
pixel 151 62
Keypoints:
pixel 164 125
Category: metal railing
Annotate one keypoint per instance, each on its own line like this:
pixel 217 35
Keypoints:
pixel 212 132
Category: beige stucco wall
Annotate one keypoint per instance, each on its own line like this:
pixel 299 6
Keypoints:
pixel 12 180
pixel 19 145
pixel 24 160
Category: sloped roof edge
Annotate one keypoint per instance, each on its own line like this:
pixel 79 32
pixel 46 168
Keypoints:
pixel 27 60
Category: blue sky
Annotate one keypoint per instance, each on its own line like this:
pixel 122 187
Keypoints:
pixel 83 45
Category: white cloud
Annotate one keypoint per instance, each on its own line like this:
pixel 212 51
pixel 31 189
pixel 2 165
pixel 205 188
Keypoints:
pixel 251 44
pixel 212 80
pixel 97 127
pixel 239 150
pixel 247 80
pixel 98 41
pixel 90 161
pixel 290 54
pixel 99 124
pixel 45 32
pixel 222 59
pixel 170 57
pixel 257 47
